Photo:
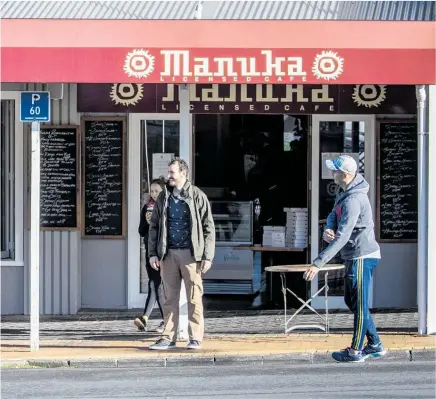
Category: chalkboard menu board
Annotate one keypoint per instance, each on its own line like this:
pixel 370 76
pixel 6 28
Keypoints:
pixel 397 181
pixel 60 180
pixel 104 190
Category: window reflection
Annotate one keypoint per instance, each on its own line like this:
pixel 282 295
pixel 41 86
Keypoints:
pixel 336 138
pixel 157 137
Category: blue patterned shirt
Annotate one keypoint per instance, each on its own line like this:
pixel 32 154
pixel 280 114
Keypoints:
pixel 179 224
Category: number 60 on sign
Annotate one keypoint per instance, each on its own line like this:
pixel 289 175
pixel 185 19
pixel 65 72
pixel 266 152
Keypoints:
pixel 35 106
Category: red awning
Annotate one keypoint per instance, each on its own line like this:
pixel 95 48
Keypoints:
pixel 192 51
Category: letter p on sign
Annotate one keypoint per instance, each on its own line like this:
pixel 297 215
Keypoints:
pixel 35 97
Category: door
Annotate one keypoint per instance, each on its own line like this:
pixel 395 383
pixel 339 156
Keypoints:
pixel 333 135
pixel 152 141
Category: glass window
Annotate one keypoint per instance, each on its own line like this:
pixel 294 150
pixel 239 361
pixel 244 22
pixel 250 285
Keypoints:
pixel 244 157
pixel 233 222
pixel 157 136
pixel 336 138
pixel 7 180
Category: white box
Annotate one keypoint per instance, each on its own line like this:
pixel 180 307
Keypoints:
pixel 296 234
pixel 294 240
pixel 274 238
pixel 296 225
pixel 291 229
pixel 296 244
pixel 297 218
pixel 274 229
pixel 295 210
pixel 294 216
pixel 288 245
pixel 299 229
pixel 278 236
pixel 296 237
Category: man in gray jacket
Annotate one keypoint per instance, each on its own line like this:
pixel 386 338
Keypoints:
pixel 350 231
pixel 181 243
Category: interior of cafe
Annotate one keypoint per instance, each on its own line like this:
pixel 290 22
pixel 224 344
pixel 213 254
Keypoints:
pixel 254 167
pixel 260 160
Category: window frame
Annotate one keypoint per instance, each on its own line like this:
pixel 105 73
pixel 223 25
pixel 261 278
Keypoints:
pixel 18 180
pixel 136 299
pixel 337 302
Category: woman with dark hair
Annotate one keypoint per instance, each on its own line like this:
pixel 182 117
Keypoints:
pixel 154 279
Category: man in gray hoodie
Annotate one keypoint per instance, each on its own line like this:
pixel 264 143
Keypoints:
pixel 350 231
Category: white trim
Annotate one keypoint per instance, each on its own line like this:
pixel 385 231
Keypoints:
pixel 133 205
pixel 431 250
pixel 11 263
pixel 136 299
pixel 19 181
pixel 370 176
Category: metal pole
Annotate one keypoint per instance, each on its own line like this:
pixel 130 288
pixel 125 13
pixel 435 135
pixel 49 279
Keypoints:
pixel 198 10
pixel 185 145
pixel 421 96
pixel 34 238
pixel 431 253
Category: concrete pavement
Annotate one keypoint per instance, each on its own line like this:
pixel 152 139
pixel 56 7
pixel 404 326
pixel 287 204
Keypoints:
pixel 296 348
pixel 110 340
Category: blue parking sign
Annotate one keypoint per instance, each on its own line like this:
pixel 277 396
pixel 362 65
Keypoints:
pixel 35 106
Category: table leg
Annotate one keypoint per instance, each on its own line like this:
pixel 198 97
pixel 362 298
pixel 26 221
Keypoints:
pixel 326 297
pixel 283 280
pixel 270 263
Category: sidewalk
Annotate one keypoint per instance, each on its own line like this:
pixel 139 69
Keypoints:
pixel 109 339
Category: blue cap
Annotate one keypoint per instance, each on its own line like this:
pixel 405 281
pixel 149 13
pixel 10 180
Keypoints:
pixel 344 163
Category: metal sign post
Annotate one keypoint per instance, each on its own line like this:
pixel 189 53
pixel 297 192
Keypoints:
pixel 34 238
pixel 35 108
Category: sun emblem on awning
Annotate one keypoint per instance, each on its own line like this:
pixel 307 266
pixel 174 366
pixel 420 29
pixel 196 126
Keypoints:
pixel 126 93
pixel 328 65
pixel 369 95
pixel 139 63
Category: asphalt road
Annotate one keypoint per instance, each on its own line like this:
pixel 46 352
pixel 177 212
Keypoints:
pixel 276 380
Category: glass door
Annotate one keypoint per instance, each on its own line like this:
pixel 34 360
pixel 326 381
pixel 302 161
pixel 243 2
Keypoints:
pixel 159 144
pixel 153 140
pixel 333 135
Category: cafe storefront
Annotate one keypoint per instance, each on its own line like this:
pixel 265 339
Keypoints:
pixel 277 133
pixel 278 110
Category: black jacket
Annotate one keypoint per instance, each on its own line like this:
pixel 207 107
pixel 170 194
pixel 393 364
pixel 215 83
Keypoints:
pixel 144 227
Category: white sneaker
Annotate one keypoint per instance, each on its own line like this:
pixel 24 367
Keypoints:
pixel 160 328
pixel 193 344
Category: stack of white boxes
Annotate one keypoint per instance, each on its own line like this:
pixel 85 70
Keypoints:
pixel 274 236
pixel 296 227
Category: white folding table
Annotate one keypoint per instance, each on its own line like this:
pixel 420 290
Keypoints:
pixel 305 304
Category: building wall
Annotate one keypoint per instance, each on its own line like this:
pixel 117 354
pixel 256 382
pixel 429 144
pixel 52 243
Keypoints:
pixel 60 260
pixel 74 272
pixel 12 286
pixel 395 277
pixel 104 273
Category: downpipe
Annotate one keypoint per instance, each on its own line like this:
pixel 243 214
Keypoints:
pixel 422 118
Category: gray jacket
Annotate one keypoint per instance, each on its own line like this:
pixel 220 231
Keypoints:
pixel 351 219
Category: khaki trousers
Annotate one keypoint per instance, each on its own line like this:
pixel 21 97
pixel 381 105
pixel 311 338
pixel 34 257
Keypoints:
pixel 179 264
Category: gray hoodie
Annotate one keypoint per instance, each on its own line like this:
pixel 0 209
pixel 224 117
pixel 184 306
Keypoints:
pixel 351 220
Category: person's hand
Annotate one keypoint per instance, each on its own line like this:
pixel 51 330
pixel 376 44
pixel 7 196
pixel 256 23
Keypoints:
pixel 148 217
pixel 310 273
pixel 154 262
pixel 329 235
pixel 205 265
